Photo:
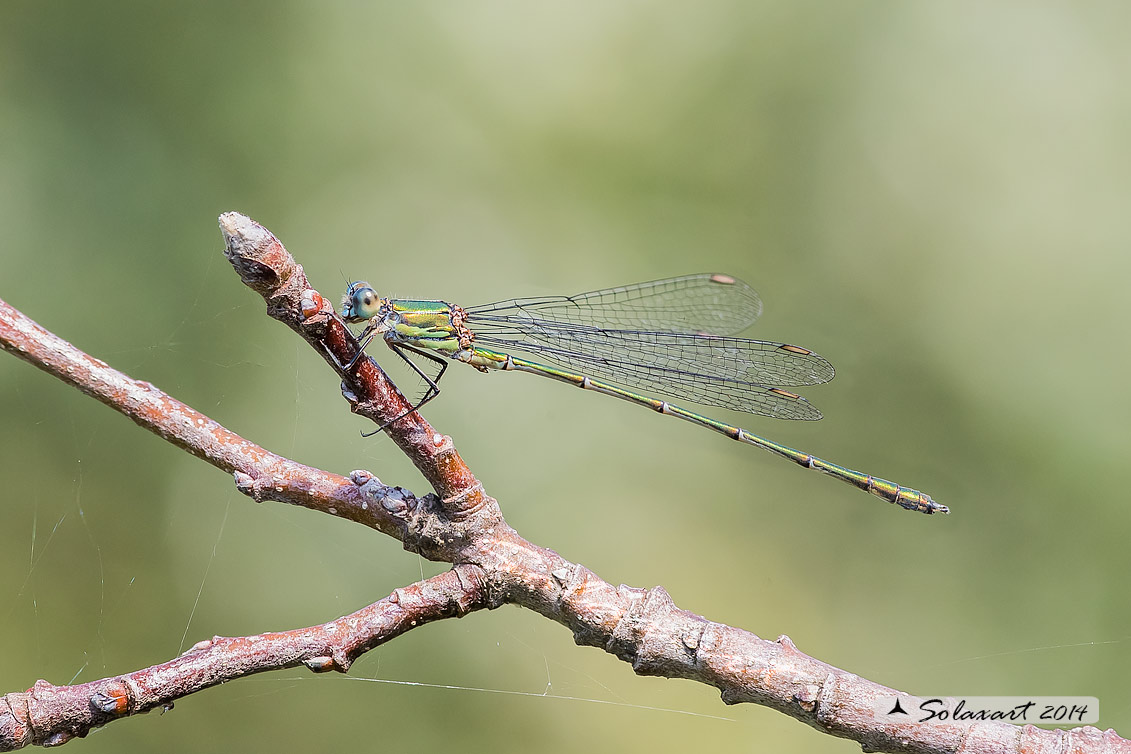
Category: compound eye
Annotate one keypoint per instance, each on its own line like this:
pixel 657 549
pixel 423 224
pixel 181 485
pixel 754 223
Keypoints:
pixel 360 301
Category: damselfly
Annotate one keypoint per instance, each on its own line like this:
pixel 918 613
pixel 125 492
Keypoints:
pixel 674 337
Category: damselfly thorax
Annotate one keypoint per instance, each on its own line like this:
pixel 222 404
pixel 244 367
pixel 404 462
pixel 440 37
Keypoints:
pixel 434 326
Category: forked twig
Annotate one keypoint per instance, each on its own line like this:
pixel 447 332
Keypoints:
pixel 461 525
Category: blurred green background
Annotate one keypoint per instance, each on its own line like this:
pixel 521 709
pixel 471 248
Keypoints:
pixel 932 195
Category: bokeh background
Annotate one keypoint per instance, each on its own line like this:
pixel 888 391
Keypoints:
pixel 934 196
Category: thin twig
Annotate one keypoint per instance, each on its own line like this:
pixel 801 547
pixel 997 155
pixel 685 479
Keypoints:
pixel 265 266
pixel 49 715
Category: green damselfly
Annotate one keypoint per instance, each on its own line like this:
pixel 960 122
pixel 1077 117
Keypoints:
pixel 674 337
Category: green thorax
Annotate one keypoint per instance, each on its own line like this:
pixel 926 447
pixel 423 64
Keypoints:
pixel 435 325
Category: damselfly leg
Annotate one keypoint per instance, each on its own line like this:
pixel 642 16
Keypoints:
pixel 433 382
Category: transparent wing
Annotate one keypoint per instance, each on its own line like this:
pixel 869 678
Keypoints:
pixel 659 363
pixel 703 303
pixel 751 361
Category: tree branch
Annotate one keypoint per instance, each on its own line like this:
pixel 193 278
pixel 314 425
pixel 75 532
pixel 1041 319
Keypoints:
pixel 461 524
pixel 49 715
pixel 265 266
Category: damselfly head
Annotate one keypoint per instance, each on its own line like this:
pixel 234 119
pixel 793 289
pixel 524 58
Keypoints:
pixel 360 302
